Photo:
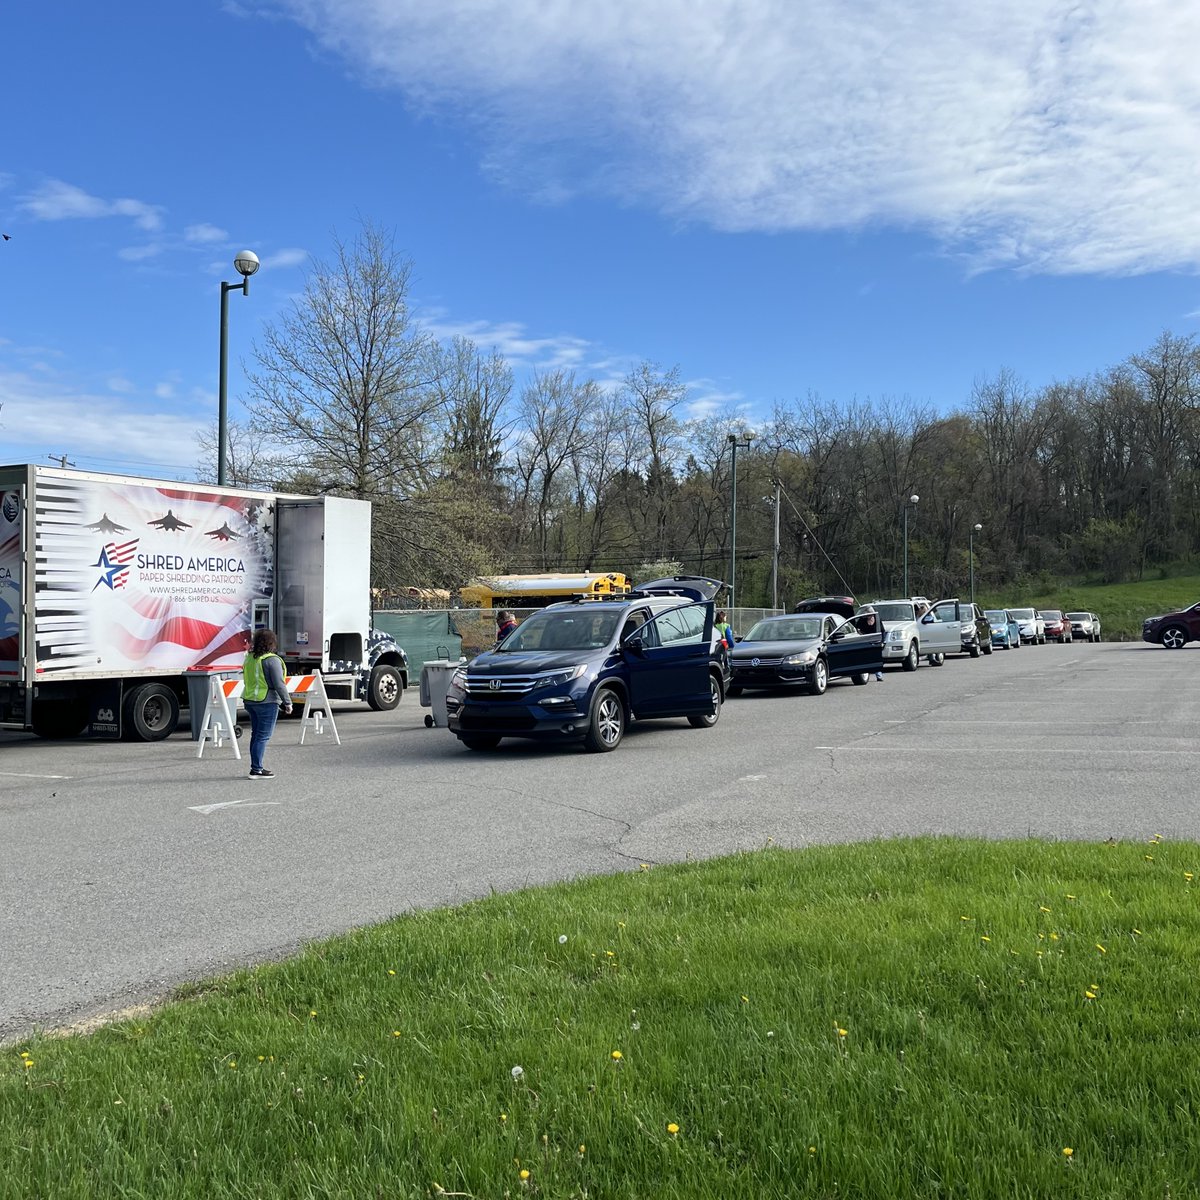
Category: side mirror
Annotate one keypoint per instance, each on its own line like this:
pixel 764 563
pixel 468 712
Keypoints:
pixel 927 619
pixel 635 646
pixel 837 637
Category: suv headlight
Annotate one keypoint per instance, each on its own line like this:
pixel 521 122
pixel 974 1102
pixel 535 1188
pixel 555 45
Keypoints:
pixel 800 660
pixel 557 678
pixel 459 679
pixel 895 635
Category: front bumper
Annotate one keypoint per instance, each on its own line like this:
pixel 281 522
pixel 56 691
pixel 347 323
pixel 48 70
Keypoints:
pixel 514 718
pixel 770 677
pixel 895 650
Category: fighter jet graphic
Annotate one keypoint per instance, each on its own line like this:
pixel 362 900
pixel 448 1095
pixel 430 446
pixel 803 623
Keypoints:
pixel 224 534
pixel 170 523
pixel 106 525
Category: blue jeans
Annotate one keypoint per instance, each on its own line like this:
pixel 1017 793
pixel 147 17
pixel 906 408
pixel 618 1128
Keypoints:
pixel 263 715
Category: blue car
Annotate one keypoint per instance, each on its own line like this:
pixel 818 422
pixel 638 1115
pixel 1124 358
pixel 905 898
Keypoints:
pixel 580 671
pixel 1006 630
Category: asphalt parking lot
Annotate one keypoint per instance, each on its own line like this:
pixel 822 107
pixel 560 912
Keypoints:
pixel 128 868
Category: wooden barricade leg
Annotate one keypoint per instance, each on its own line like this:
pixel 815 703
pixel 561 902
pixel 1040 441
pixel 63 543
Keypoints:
pixel 317 712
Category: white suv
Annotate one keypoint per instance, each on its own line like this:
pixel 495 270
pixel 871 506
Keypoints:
pixel 1033 627
pixel 908 639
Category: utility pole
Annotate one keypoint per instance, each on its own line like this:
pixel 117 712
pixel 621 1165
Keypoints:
pixel 775 555
pixel 61 459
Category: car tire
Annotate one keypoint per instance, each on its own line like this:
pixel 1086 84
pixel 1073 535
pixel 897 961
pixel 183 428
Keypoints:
pixel 734 689
pixel 861 679
pixel 151 713
pixel 988 647
pixel 384 688
pixel 606 724
pixel 976 649
pixel 708 720
pixel 818 681
pixel 912 659
pixel 480 741
pixel 1174 637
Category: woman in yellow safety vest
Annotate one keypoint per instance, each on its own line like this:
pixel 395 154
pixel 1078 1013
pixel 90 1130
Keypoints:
pixel 262 674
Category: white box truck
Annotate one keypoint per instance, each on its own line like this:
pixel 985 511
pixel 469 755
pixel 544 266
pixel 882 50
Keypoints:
pixel 113 587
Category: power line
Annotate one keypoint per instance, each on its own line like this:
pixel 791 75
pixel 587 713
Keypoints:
pixel 817 540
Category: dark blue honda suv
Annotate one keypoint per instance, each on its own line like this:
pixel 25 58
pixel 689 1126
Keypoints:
pixel 583 669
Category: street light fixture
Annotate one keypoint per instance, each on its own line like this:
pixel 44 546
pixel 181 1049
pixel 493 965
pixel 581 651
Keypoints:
pixel 909 503
pixel 971 554
pixel 246 263
pixel 735 440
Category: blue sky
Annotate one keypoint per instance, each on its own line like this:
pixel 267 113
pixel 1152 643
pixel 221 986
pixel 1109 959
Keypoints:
pixel 780 196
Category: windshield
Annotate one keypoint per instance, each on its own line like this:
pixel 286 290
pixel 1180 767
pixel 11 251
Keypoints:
pixel 892 614
pixel 1079 616
pixel 1051 614
pixel 794 629
pixel 573 630
pixel 1023 614
pixel 997 616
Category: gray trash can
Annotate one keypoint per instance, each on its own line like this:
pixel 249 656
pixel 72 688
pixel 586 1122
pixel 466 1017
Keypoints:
pixel 197 685
pixel 435 683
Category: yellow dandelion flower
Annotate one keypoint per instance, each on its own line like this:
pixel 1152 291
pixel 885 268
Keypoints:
pixel 964 918
pixel 617 1056
pixel 312 1012
pixel 1043 908
pixel 524 1174
pixel 1148 857
pixel 582 1148
pixel 672 1128
pixel 397 1033
pixel 1041 937
pixel 233 1066
pixel 643 866
pixel 1090 995
pixel 1054 937
pixel 1067 1152
pixel 745 999
pixel 1038 953
pixel 1137 933
pixel 391 972
pixel 24 1053
pixel 985 938
pixel 812 1149
pixel 1101 948
pixel 842 1032
pixel 262 1058
pixel 620 924
pixel 1069 896
pixel 1188 876
pixel 503 1118
pixel 27 1063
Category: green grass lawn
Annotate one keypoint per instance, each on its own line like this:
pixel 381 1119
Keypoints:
pixel 932 1018
pixel 1121 606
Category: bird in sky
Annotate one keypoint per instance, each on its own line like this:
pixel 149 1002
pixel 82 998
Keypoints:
pixel 7 237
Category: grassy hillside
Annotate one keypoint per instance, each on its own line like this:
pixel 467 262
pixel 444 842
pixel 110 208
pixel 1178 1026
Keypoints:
pixel 1121 606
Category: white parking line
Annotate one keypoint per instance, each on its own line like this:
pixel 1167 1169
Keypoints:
pixel 22 775
pixel 206 809
pixel 1088 750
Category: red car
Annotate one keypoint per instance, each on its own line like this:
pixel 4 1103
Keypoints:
pixel 1058 626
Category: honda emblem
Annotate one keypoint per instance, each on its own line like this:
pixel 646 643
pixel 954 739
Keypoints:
pixel 493 685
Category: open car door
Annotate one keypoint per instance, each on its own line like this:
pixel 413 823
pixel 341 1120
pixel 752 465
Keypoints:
pixel 693 587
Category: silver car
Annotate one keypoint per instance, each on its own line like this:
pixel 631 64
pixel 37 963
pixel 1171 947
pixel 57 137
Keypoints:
pixel 1084 625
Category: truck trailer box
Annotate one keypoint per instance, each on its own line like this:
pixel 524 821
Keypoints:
pixel 111 587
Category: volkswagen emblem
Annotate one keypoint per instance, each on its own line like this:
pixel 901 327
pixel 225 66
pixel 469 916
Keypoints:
pixel 493 685
pixel 754 662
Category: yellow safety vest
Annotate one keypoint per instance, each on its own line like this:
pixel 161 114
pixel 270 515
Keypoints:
pixel 254 677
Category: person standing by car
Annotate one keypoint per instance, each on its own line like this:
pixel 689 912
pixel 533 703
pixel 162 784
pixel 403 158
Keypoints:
pixel 265 695
pixel 723 628
pixel 869 621
pixel 506 622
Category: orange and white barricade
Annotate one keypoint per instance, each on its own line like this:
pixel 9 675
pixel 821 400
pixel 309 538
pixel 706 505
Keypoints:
pixel 218 723
pixel 317 713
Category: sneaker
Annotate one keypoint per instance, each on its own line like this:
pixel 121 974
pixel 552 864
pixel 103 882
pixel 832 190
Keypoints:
pixel 263 773
pixel 879 676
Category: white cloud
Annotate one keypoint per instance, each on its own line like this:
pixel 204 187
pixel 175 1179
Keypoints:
pixel 204 233
pixel 513 343
pixel 101 430
pixel 1052 135
pixel 141 253
pixel 58 201
pixel 289 257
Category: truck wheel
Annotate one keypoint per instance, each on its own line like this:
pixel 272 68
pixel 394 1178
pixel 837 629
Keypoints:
pixel 151 713
pixel 384 689
pixel 1174 637
pixel 480 741
pixel 912 658
pixel 709 719
pixel 57 719
pixel 606 725
pixel 819 680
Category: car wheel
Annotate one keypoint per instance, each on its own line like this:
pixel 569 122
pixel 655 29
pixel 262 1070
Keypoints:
pixel 976 649
pixel 819 680
pixel 1174 637
pixel 734 689
pixel 480 741
pixel 606 726
pixel 912 658
pixel 709 719
pixel 861 679
pixel 988 647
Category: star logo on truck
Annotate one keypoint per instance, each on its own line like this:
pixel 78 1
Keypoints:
pixel 114 563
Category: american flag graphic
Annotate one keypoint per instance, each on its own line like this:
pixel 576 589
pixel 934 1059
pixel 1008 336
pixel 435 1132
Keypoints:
pixel 114 563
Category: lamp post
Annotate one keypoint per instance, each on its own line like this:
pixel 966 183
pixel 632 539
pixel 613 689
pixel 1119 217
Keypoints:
pixel 971 555
pixel 735 440
pixel 910 502
pixel 246 263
